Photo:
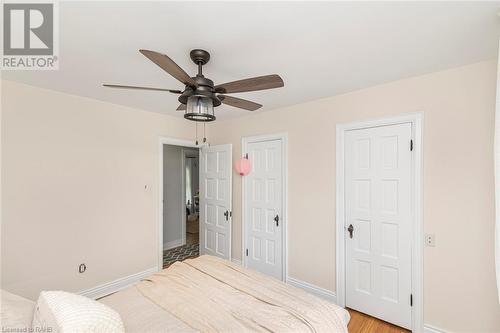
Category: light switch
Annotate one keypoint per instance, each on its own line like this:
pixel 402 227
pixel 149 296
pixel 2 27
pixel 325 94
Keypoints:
pixel 430 240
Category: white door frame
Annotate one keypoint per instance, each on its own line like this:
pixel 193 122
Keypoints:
pixel 417 254
pixel 284 148
pixel 175 142
pixel 183 211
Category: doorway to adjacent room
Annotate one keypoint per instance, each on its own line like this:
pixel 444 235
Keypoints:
pixel 181 208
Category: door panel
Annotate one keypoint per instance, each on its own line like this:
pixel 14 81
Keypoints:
pixel 215 201
pixel 378 194
pixel 263 211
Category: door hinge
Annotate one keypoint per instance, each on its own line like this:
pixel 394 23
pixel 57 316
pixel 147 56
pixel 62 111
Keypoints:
pixel 246 252
pixel 411 299
pixel 411 145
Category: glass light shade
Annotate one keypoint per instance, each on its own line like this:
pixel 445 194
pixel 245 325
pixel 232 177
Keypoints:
pixel 199 108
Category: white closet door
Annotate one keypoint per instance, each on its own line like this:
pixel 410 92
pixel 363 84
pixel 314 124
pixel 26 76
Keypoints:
pixel 263 208
pixel 378 222
pixel 215 201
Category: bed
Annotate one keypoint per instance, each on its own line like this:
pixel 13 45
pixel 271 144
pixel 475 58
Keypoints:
pixel 209 294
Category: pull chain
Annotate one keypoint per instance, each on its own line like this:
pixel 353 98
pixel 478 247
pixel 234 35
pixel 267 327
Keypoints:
pixel 196 131
pixel 204 136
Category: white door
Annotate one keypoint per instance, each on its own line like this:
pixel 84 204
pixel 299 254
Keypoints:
pixel 263 208
pixel 215 201
pixel 378 215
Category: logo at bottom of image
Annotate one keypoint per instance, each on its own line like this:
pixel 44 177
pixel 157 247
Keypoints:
pixel 30 36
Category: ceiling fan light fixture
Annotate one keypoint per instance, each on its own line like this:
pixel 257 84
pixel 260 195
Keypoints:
pixel 199 108
pixel 200 96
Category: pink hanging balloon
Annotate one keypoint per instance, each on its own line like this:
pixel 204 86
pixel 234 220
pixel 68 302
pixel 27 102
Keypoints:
pixel 243 166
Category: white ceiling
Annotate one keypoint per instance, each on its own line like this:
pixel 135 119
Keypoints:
pixel 320 49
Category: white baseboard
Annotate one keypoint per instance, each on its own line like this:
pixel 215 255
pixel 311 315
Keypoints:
pixel 432 329
pixel 116 285
pixel 174 243
pixel 312 289
pixel 332 297
pixel 237 261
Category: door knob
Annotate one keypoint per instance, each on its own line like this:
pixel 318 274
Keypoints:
pixel 350 229
pixel 226 214
pixel 277 219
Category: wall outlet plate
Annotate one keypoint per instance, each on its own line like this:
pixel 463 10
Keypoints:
pixel 430 240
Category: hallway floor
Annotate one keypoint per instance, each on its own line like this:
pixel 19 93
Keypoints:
pixel 180 253
pixel 191 249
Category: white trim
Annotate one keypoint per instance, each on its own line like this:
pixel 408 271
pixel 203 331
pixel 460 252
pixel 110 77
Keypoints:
pixel 174 243
pixel 165 141
pixel 416 120
pixel 116 285
pixel 312 289
pixel 183 201
pixel 284 142
pixel 432 329
pixel 237 261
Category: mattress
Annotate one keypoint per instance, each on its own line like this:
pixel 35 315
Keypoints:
pixel 208 294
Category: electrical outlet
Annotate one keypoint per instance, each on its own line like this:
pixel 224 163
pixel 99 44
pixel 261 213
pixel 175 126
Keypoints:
pixel 430 240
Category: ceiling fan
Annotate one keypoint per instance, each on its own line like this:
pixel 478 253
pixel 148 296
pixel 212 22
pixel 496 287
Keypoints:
pixel 200 95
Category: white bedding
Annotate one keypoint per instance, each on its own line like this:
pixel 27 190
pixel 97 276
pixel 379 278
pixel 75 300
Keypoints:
pixel 213 295
pixel 139 314
pixel 16 312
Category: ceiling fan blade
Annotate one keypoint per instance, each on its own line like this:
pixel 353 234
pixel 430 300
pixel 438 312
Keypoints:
pixel 119 86
pixel 252 84
pixel 181 107
pixel 239 103
pixel 169 66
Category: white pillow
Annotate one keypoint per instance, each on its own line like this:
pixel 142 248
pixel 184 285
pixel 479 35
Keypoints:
pixel 64 312
pixel 16 312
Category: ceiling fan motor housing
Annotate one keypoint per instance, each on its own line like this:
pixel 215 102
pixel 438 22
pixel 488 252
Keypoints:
pixel 204 88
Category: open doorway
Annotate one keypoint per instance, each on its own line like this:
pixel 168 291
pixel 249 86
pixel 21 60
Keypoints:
pixel 180 203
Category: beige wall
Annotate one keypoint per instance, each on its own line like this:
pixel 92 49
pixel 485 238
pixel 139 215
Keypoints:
pixel 458 108
pixel 74 174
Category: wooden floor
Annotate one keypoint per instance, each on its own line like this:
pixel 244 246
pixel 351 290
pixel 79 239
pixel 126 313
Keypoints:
pixel 361 323
pixel 192 231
